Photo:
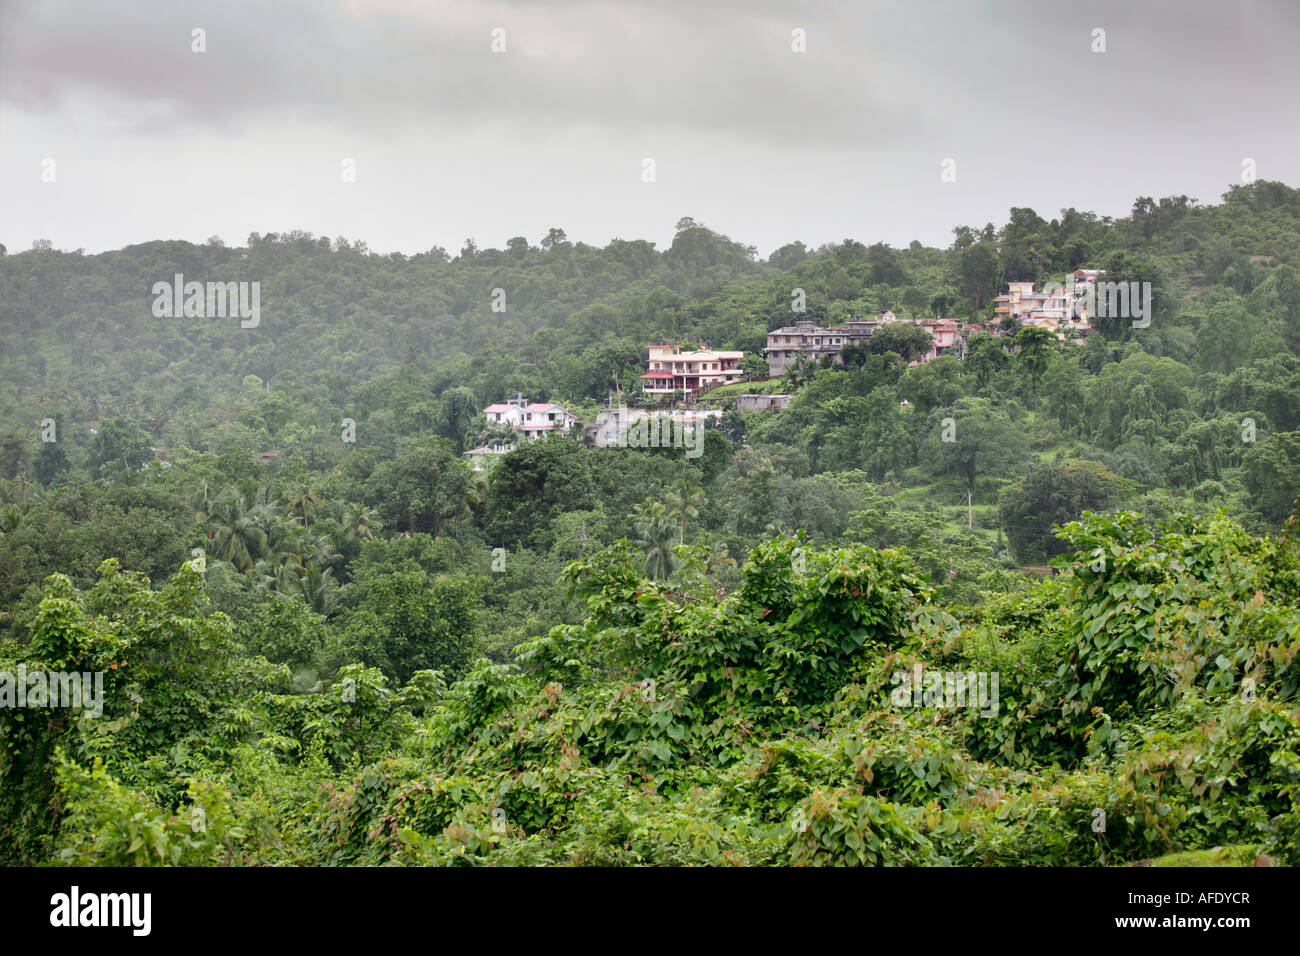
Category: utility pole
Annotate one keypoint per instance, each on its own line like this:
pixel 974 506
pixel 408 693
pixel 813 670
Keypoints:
pixel 970 520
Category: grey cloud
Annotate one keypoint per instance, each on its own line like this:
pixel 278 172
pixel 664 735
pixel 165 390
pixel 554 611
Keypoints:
pixel 627 65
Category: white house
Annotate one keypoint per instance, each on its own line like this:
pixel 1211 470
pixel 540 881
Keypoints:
pixel 532 419
pixel 484 456
pixel 670 369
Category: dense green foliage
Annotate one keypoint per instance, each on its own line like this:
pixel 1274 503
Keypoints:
pixel 323 650
pixel 1154 682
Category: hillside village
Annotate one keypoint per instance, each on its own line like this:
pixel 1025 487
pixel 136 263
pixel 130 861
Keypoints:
pixel 895 516
pixel 684 375
pixel 611 648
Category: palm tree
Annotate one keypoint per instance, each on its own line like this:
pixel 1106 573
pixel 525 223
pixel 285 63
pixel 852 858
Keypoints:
pixel 496 432
pixel 266 577
pixel 240 518
pixel 471 507
pixel 684 500
pixel 201 501
pixel 655 536
pixel 718 558
pixel 11 516
pixel 357 523
pixel 801 371
pixel 317 550
pixel 237 534
pixel 776 528
pixel 318 588
pixel 284 540
pixel 302 500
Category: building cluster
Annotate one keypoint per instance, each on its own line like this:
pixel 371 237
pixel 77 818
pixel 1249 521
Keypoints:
pixel 1061 309
pixel 806 339
pixel 670 369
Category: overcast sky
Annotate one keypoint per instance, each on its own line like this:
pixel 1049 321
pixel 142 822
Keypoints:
pixel 451 140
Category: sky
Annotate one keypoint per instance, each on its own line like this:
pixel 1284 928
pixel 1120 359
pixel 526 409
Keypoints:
pixel 766 120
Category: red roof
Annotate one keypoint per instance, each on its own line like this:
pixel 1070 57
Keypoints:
pixel 498 407
pixel 658 373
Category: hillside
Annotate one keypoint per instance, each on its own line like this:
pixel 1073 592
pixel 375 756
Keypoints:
pixel 1038 603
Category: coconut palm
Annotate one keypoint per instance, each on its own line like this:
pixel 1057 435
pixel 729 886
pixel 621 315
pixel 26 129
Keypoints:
pixel 201 501
pixel 356 523
pixel 317 550
pixel 473 504
pixel 318 589
pixel 11 516
pixel 801 371
pixel 683 500
pixel 237 533
pixel 492 433
pixel 302 500
pixel 655 530
pixel 285 541
pixel 267 577
pixel 718 557
pixel 776 528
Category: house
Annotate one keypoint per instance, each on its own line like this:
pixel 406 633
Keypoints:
pixel 532 419
pixel 949 338
pixel 785 345
pixel 483 457
pixel 1023 303
pixel 670 369
pixel 762 403
pixel 611 427
pixel 1060 309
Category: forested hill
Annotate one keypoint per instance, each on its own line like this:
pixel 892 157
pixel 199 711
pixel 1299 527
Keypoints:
pixel 568 316
pixel 367 651
pixel 335 315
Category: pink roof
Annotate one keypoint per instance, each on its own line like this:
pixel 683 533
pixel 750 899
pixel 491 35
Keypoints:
pixel 658 373
pixel 498 407
pixel 541 406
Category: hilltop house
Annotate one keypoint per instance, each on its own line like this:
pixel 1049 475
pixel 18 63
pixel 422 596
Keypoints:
pixel 785 344
pixel 1057 308
pixel 949 338
pixel 670 369
pixel 531 419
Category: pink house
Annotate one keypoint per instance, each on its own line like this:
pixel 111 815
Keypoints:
pixel 532 419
